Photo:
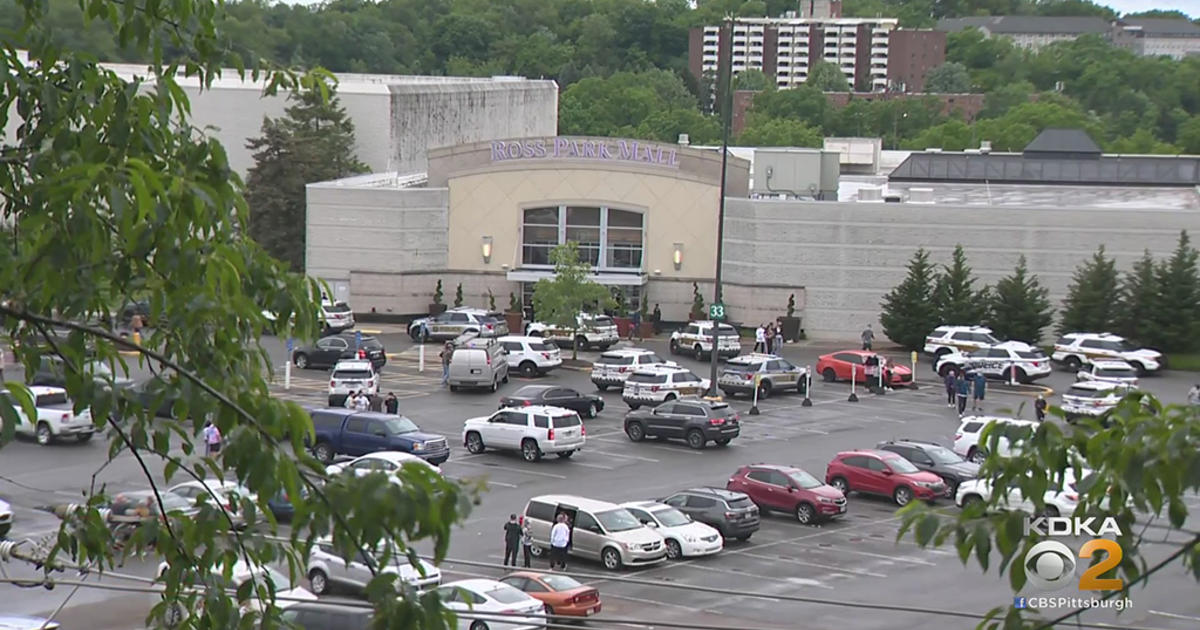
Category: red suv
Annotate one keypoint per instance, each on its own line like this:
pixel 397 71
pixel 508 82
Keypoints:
pixel 788 489
pixel 883 473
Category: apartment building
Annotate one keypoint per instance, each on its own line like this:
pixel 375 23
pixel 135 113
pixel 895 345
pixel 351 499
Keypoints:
pixel 1147 37
pixel 785 49
pixel 1158 37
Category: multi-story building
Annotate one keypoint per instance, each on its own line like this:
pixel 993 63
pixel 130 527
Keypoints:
pixel 1030 31
pixel 785 49
pixel 1155 37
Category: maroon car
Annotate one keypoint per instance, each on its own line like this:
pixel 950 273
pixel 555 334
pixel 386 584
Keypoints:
pixel 883 473
pixel 788 489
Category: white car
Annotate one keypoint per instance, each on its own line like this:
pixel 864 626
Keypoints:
pixel 1007 361
pixel 697 339
pixel 352 375
pixel 337 315
pixel 1076 349
pixel 56 417
pixel 1108 371
pixel 286 593
pixel 1093 398
pixel 945 339
pixel 389 462
pixel 419 327
pixel 489 596
pixel 613 367
pixel 327 568
pixel 534 431
pixel 968 439
pixel 530 355
pixel 592 331
pixel 654 384
pixel 230 494
pixel 1060 500
pixel 685 538
pixel 6 518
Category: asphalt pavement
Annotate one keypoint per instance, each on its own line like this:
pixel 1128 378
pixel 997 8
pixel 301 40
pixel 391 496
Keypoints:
pixel 756 584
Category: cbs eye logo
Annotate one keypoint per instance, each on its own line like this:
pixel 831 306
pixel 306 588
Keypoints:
pixel 1051 565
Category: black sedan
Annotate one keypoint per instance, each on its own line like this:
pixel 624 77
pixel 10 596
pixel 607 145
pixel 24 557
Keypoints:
pixel 329 350
pixel 586 404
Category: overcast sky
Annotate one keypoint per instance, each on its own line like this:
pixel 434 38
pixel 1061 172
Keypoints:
pixel 1190 7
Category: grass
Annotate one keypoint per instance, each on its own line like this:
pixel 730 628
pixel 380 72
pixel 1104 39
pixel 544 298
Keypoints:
pixel 1184 361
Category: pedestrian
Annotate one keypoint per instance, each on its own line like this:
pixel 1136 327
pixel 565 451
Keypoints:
pixel 777 339
pixel 391 404
pixel 1194 395
pixel 656 317
pixel 447 352
pixel 962 388
pixel 885 381
pixel 868 336
pixel 980 386
pixel 560 538
pixel 363 403
pixel 871 371
pixel 212 438
pixel 526 541
pixel 1039 407
pixel 351 401
pixel 951 387
pixel 636 324
pixel 512 538
pixel 760 338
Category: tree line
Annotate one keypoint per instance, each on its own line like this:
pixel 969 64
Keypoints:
pixel 1156 302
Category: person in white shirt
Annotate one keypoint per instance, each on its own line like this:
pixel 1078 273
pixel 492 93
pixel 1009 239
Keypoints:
pixel 212 438
pixel 760 339
pixel 560 539
pixel 363 403
pixel 351 401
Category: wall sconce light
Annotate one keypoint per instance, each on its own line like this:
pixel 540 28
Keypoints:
pixel 487 250
pixel 658 272
pixel 677 257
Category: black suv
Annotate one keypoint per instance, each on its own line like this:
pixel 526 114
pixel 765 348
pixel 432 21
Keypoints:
pixel 934 458
pixel 692 419
pixel 333 348
pixel 731 512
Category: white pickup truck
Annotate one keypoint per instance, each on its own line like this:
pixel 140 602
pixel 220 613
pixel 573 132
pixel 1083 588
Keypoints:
pixel 56 417
pixel 594 331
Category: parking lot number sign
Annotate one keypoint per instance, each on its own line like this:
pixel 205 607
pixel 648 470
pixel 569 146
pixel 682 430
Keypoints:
pixel 716 311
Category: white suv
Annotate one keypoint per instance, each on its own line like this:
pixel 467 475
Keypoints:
pixel 593 331
pixel 968 443
pixel 697 338
pixel 654 384
pixel 1093 398
pixel 1075 349
pixel 613 368
pixel 354 375
pixel 1060 500
pixel 1109 371
pixel 337 315
pixel 56 417
pixel 534 430
pixel 530 355
pixel 945 339
pixel 1008 361
pixel 327 568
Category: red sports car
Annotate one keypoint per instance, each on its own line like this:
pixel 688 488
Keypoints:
pixel 837 366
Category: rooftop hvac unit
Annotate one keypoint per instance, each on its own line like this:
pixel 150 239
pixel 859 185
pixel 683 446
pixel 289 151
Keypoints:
pixel 870 193
pixel 985 146
pixel 920 195
pixel 933 150
pixel 892 198
pixel 684 140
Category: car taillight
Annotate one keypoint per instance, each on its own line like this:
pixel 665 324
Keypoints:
pixel 546 355
pixel 66 416
pixel 550 435
pixel 489 359
pixel 716 422
pixel 1072 497
pixel 1037 364
pixel 525 403
pixel 362 354
pixel 729 516
pixel 654 388
pixel 747 377
pixel 489 326
pixel 957 437
pixel 333 383
pixel 582 429
pixel 624 370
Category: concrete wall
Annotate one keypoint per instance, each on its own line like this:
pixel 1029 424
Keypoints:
pixel 411 293
pixel 848 255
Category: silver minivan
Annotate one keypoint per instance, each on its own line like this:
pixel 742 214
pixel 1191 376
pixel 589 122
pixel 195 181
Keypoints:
pixel 599 531
pixel 478 362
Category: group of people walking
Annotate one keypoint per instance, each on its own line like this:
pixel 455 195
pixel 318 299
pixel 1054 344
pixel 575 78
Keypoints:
pixel 517 535
pixel 361 401
pixel 768 338
pixel 962 385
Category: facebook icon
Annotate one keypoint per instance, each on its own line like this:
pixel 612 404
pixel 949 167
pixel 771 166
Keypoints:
pixel 1019 602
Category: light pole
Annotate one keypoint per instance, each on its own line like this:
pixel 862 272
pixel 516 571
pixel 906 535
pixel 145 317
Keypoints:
pixel 725 91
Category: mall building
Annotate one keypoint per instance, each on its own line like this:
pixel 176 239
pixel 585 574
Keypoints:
pixel 486 215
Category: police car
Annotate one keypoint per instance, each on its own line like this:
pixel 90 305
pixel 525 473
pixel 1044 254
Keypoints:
pixel 456 323
pixel 613 367
pixel 774 374
pixel 417 327
pixel 1076 349
pixel 354 375
pixel 945 339
pixel 1108 371
pixel 697 339
pixel 1093 398
pixel 592 331
pixel 654 384
pixel 1008 361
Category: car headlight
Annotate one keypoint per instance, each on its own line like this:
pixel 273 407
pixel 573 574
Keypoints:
pixel 628 546
pixel 418 446
pixel 928 484
pixel 824 500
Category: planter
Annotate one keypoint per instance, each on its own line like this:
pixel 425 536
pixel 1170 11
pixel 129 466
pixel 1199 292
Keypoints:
pixel 623 326
pixel 791 328
pixel 646 330
pixel 437 309
pixel 515 323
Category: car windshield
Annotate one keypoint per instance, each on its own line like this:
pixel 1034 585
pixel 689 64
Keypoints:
pixel 740 503
pixel 615 359
pixel 617 521
pixel 671 517
pixel 648 378
pixel 1081 392
pixel 804 480
pixel 726 331
pixel 280 580
pixel 567 421
pixel 56 399
pixel 370 343
pixel 1031 354
pixel 400 424
pixel 541 346
pixel 1120 372
pixel 530 391
pixel 506 594
pixel 901 465
pixel 560 582
pixel 602 321
pixel 742 367
pixel 337 307
pixel 351 374
pixel 942 455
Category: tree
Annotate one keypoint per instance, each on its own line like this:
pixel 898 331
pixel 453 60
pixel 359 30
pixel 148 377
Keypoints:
pixel 1173 323
pixel 605 106
pixel 1019 307
pixel 948 78
pixel 805 104
pixel 1091 304
pixel 491 300
pixel 954 297
pixel 558 301
pixel 437 293
pixel 1189 136
pixel 1138 300
pixel 779 132
pixel 827 77
pixel 697 311
pixel 753 79
pixel 112 194
pixel 312 142
pixel 908 310
pixel 458 296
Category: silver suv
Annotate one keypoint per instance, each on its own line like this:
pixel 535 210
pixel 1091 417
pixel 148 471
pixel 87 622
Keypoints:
pixel 613 368
pixel 774 374
pixel 453 324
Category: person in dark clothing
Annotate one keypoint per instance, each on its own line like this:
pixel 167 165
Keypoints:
pixel 635 324
pixel 951 387
pixel 872 371
pixel 512 540
pixel 979 387
pixel 391 404
pixel 962 389
pixel 656 317
pixel 1039 407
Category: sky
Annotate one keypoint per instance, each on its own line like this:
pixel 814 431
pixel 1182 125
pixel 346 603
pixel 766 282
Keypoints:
pixel 1190 7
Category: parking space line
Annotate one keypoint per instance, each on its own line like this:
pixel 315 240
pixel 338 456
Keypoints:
pixel 806 563
pixel 587 465
pixel 484 479
pixel 609 594
pixel 624 456
pixel 512 470
pixel 747 574
pixel 658 446
pixel 867 554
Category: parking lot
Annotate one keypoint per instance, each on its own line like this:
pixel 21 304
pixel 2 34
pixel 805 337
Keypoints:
pixel 854 559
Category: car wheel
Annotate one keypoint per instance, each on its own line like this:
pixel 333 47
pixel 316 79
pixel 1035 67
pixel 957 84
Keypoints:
pixel 83 437
pixel 941 352
pixel 174 615
pixel 529 369
pixel 806 514
pixel 611 558
pixel 840 484
pixel 1050 511
pixel 1015 374
pixel 602 388
pixel 44 435
pixel 727 393
pixel 764 389
pixel 591 410
pixel 722 442
pixel 323 453
pixel 530 450
pixel 504 379
pixel 902 495
pixel 301 360
pixel 566 454
pixel 581 343
pixel 695 439
pixel 951 487
pixel 454 388
pixel 536 333
pixel 673 346
pixel 829 375
pixel 475 443
pixel 743 537
pixel 976 456
pixel 318 582
pixel 971 499
pixel 698 352
pixel 635 431
pixel 1141 369
pixel 536 551
pixel 495 385
pixel 479 625
pixel 633 406
pixel 674 550
pixel 1072 363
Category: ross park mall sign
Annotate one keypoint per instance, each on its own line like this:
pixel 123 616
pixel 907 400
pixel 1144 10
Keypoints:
pixel 565 148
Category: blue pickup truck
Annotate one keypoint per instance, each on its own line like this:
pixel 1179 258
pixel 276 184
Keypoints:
pixel 354 433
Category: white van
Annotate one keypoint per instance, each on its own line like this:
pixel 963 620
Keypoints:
pixel 531 355
pixel 478 363
pixel 599 531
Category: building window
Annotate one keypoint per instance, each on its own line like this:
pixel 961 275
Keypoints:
pixel 608 238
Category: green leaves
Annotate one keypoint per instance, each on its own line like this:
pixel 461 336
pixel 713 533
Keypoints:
pixel 560 300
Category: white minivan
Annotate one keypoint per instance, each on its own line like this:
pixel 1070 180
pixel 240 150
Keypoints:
pixel 478 363
pixel 530 355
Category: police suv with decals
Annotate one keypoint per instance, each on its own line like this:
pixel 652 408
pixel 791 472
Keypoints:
pixel 945 339
pixel 654 384
pixel 697 339
pixel 1009 361
pixel 772 374
pixel 614 367
pixel 592 331
pixel 1076 349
